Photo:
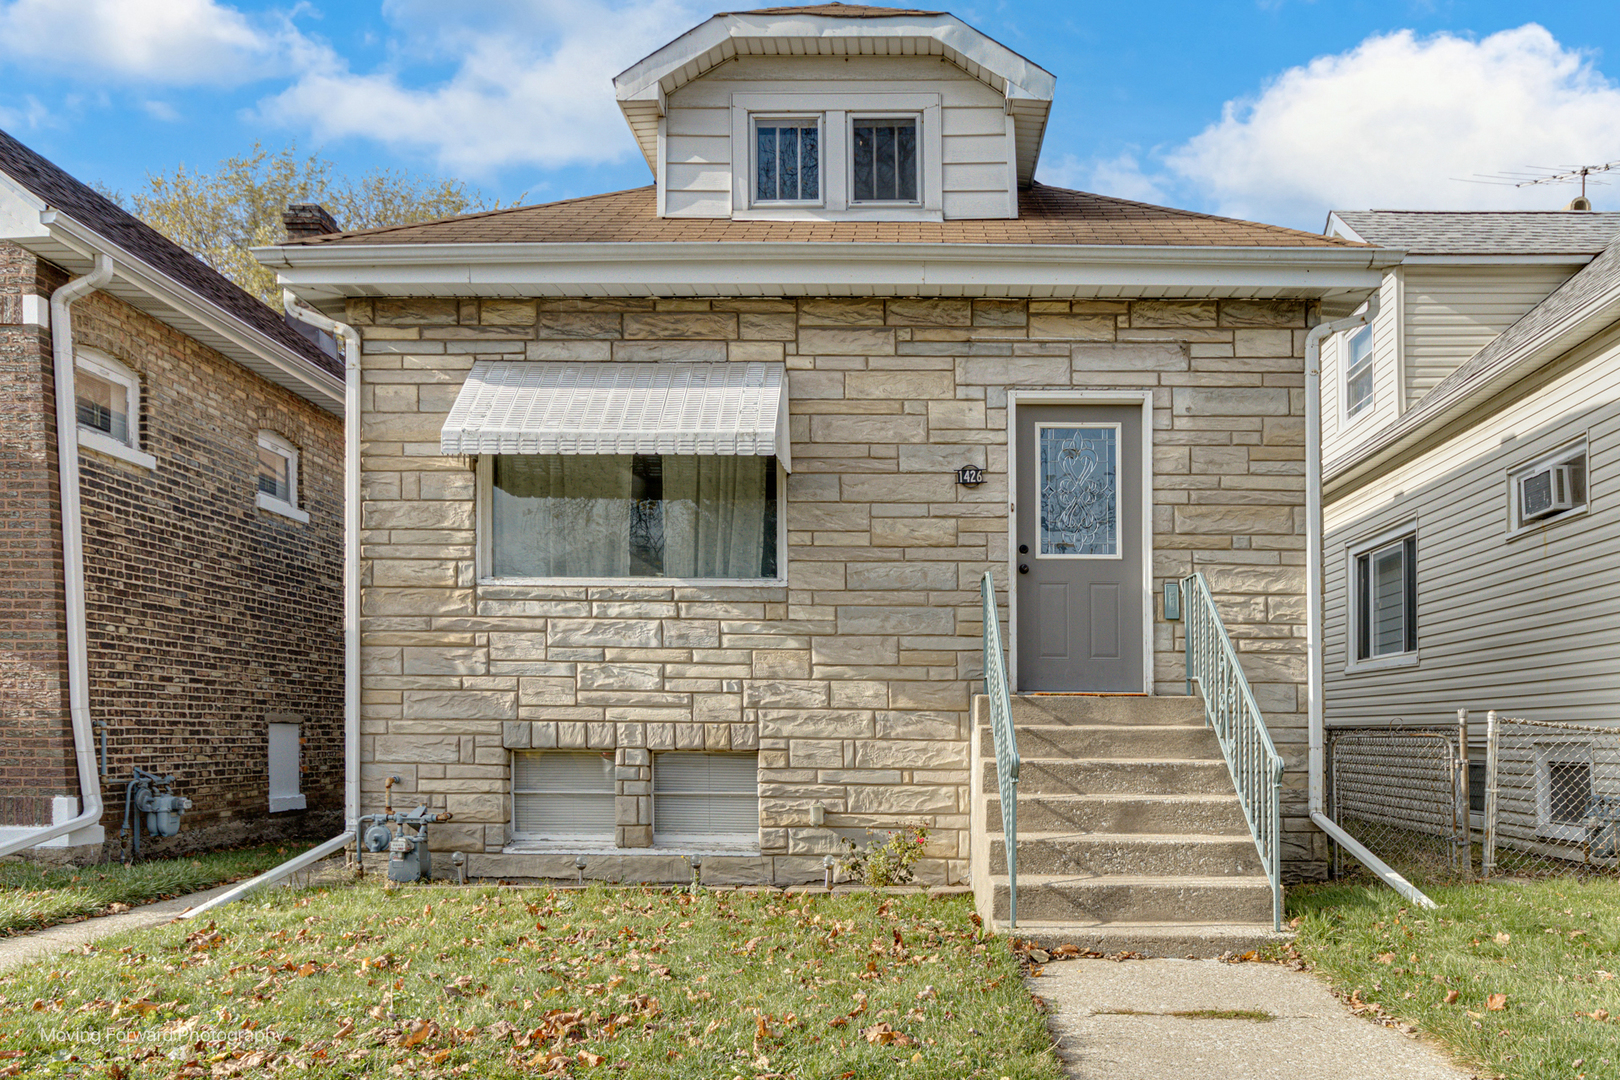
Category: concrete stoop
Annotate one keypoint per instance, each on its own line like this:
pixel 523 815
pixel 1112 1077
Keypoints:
pixel 1130 835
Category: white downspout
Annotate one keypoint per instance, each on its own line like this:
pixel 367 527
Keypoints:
pixel 351 611
pixel 1315 720
pixel 67 465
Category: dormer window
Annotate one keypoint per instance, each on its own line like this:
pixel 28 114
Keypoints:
pixel 883 160
pixel 787 160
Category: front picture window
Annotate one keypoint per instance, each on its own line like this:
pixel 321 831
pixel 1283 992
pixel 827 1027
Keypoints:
pixel 634 516
pixel 884 160
pixel 787 160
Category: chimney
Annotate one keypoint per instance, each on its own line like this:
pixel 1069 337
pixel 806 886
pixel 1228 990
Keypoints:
pixel 1579 202
pixel 304 220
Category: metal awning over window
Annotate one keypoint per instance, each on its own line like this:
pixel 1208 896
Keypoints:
pixel 531 407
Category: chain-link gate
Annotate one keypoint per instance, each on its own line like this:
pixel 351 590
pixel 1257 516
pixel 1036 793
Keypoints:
pixel 1552 799
pixel 1403 792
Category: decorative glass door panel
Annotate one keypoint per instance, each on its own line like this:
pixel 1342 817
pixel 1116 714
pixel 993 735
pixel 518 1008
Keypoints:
pixel 1079 498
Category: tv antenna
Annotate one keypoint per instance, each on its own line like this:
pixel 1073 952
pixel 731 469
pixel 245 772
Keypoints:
pixel 1570 175
pixel 1542 174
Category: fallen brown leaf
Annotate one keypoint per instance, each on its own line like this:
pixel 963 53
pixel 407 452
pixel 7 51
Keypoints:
pixel 1496 1003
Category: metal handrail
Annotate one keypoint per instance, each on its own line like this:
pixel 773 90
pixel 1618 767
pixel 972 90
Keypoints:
pixel 995 689
pixel 1229 708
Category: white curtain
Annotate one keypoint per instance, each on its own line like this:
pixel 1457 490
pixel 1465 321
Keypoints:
pixel 562 515
pixel 714 516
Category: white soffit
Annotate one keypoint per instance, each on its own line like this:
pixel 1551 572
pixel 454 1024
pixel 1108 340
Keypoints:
pixel 643 87
pixel 532 407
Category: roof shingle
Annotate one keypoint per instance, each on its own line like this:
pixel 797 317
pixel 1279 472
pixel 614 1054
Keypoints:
pixel 1046 215
pixel 106 218
pixel 1492 232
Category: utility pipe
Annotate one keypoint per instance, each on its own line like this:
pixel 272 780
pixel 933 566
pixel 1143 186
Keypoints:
pixel 67 467
pixel 1315 720
pixel 351 611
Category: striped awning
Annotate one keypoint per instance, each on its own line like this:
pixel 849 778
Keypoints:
pixel 532 407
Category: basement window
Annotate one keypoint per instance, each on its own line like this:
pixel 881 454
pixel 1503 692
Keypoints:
pixel 107 405
pixel 278 477
pixel 1563 790
pixel 705 799
pixel 563 795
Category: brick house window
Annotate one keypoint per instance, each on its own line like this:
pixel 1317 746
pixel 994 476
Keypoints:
pixel 562 795
pixel 705 798
pixel 278 476
pixel 107 405
pixel 633 516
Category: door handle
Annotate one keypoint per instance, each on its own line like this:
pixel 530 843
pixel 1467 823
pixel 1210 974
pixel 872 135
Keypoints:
pixel 1023 568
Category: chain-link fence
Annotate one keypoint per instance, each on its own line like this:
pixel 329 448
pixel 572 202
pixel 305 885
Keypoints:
pixel 1552 799
pixel 1509 798
pixel 1402 792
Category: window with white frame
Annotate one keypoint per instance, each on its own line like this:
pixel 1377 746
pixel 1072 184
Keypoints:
pixel 563 795
pixel 1358 371
pixel 1549 488
pixel 1383 593
pixel 1563 789
pixel 787 160
pixel 884 160
pixel 278 476
pixel 633 516
pixel 705 798
pixel 107 405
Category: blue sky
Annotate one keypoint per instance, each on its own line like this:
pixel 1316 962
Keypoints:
pixel 1271 109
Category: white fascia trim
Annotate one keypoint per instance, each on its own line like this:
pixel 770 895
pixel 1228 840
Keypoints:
pixel 643 79
pixel 308 381
pixel 1365 462
pixel 967 269
pixel 1337 226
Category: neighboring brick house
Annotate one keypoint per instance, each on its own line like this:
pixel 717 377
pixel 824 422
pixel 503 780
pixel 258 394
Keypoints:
pixel 210 442
pixel 666 546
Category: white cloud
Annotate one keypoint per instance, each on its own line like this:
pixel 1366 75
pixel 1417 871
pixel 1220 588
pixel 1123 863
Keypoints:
pixel 165 42
pixel 530 86
pixel 1389 123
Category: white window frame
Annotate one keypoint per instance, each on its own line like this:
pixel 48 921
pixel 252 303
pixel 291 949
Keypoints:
pixel 102 366
pixel 1547 755
pixel 561 838
pixel 1353 553
pixel 835 110
pixel 285 790
pixel 754 121
pixel 485 525
pixel 1348 419
pixel 720 842
pixel 1565 454
pixel 269 440
pixel 849 158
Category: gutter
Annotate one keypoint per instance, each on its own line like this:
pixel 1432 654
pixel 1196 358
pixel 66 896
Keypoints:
pixel 67 459
pixel 351 616
pixel 1315 718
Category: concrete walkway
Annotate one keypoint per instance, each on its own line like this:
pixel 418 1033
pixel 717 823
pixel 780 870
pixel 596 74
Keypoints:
pixel 1113 1021
pixel 55 939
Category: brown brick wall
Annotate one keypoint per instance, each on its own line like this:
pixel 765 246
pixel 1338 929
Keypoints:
pixel 206 613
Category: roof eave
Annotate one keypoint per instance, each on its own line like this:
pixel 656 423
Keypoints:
pixel 239 341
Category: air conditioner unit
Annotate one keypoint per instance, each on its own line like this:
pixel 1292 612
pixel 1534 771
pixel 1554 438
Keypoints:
pixel 1546 491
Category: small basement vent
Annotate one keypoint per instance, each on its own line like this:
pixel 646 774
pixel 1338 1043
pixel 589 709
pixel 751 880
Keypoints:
pixel 1546 491
pixel 705 798
pixel 562 795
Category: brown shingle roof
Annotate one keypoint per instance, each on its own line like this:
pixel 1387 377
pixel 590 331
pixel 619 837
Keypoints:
pixel 106 218
pixel 1047 215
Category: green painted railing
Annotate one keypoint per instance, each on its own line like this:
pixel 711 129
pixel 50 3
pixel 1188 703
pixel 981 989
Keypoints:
pixel 1229 708
pixel 1001 729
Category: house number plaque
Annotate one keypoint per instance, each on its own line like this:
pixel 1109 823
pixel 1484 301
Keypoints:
pixel 970 476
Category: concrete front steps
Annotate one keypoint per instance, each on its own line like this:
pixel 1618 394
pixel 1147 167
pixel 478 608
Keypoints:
pixel 1130 835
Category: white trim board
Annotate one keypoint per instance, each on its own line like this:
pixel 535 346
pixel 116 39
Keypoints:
pixel 1144 398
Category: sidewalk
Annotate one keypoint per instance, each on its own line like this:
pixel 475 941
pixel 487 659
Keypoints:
pixel 54 939
pixel 1114 1021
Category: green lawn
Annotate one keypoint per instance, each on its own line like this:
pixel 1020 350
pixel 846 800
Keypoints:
pixel 1519 979
pixel 361 980
pixel 32 896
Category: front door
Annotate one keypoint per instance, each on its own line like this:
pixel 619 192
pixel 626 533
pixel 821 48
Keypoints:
pixel 1078 512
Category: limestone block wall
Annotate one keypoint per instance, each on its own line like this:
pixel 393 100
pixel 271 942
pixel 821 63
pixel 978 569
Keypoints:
pixel 853 681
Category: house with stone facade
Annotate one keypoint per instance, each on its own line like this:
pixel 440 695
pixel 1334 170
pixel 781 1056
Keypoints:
pixel 170 535
pixel 677 500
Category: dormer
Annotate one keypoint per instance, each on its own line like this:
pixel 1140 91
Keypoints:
pixel 837 112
